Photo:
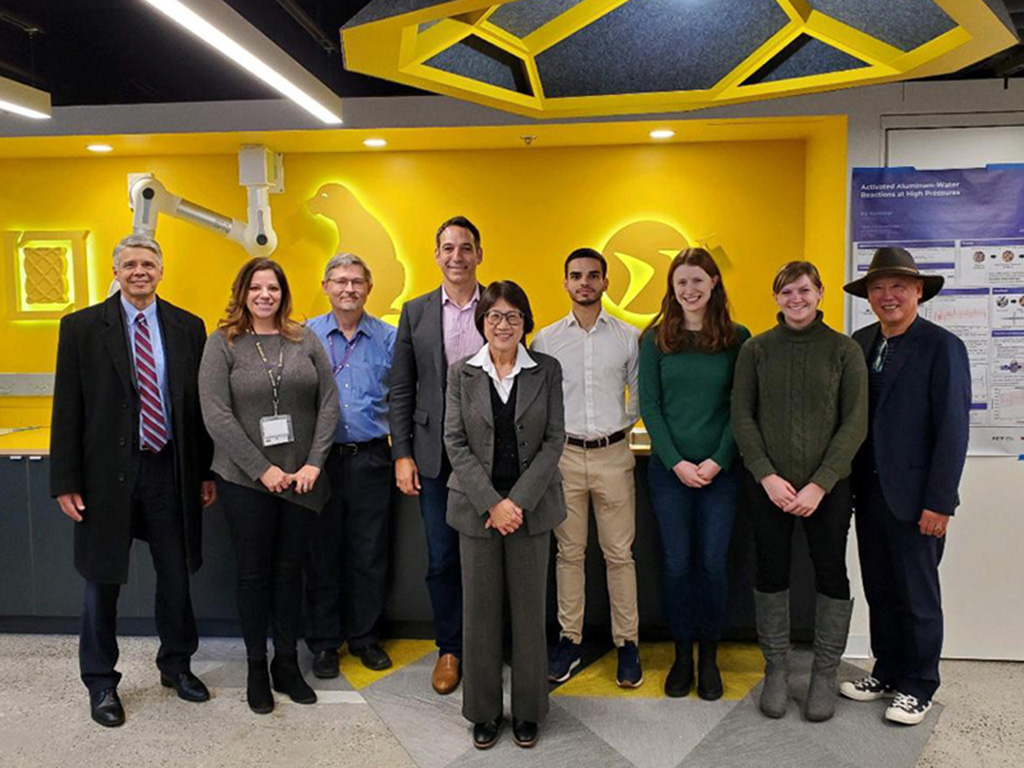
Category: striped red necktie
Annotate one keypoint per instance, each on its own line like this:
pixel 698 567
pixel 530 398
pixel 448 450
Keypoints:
pixel 151 412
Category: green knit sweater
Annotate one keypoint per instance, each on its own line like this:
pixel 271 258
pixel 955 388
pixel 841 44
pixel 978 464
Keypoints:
pixel 800 404
pixel 684 402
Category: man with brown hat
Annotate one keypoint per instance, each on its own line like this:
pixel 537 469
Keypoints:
pixel 905 480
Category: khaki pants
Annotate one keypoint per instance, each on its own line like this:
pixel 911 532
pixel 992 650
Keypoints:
pixel 606 476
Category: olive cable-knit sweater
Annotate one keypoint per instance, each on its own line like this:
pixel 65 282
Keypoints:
pixel 800 404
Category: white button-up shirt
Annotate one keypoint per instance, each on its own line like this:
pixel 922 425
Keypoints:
pixel 599 368
pixel 503 384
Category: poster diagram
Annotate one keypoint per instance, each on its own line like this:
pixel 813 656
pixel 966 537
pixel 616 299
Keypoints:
pixel 968 226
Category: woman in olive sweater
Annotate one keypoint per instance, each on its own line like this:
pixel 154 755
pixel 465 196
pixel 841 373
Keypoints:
pixel 799 414
pixel 687 355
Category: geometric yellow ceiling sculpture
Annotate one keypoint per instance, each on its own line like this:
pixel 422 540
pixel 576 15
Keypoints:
pixel 568 58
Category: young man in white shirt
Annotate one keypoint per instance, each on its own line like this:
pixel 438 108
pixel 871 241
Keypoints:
pixel 599 356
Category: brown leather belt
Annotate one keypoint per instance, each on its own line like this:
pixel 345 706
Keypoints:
pixel 600 442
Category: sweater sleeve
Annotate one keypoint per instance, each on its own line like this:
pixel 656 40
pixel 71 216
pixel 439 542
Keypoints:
pixel 328 411
pixel 725 454
pixel 853 420
pixel 652 404
pixel 215 400
pixel 744 415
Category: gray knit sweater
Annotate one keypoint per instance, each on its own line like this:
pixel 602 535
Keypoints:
pixel 235 394
pixel 800 404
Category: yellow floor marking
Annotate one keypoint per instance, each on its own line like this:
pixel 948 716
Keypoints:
pixel 741 664
pixel 402 653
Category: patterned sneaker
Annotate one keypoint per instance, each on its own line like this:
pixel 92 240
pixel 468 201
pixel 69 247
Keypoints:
pixel 564 659
pixel 866 689
pixel 629 674
pixel 907 709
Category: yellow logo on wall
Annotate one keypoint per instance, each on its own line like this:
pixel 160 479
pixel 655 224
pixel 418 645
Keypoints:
pixel 359 232
pixel 638 256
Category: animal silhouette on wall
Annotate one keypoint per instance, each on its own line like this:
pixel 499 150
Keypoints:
pixel 359 232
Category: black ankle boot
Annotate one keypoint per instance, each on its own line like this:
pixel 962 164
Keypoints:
pixel 680 677
pixel 288 679
pixel 257 689
pixel 709 679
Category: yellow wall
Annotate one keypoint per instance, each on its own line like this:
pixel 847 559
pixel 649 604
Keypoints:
pixel 750 198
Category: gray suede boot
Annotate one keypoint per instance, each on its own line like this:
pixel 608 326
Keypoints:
pixel 773 633
pixel 831 627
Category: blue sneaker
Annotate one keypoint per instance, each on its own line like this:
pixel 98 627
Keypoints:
pixel 629 675
pixel 564 659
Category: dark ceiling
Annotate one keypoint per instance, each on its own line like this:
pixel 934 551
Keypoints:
pixel 91 52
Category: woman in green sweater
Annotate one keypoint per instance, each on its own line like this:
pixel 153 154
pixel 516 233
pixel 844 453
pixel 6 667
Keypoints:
pixel 687 356
pixel 799 414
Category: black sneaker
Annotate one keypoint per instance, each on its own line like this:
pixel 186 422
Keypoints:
pixel 866 689
pixel 907 709
pixel 564 659
pixel 629 674
pixel 373 656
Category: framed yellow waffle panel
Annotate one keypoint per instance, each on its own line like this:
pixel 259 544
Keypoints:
pixel 46 273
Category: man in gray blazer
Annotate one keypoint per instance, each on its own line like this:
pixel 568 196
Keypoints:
pixel 435 330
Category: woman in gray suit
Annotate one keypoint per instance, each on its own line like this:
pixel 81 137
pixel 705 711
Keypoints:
pixel 504 431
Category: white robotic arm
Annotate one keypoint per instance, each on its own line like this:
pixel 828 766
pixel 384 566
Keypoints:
pixel 260 171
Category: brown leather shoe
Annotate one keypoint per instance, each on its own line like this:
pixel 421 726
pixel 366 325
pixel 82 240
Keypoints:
pixel 447 674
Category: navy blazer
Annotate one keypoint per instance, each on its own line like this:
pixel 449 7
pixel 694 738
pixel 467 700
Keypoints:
pixel 919 426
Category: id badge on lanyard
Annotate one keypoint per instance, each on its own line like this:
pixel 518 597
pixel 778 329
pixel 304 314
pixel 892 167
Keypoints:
pixel 276 429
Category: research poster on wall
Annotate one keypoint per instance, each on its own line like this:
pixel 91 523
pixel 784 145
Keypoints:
pixel 968 226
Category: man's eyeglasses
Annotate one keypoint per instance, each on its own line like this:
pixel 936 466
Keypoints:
pixel 493 318
pixel 343 282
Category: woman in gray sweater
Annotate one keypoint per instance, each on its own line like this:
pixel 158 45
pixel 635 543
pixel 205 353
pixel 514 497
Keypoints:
pixel 799 414
pixel 271 406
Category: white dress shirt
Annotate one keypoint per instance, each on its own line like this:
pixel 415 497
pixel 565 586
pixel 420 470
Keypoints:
pixel 599 367
pixel 503 384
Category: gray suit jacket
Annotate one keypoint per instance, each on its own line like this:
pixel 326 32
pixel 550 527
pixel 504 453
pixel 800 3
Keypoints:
pixel 469 437
pixel 418 370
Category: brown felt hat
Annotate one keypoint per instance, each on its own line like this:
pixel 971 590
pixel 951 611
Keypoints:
pixel 895 261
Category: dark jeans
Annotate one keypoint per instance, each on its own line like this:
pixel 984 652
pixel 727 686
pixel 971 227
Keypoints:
pixel 346 576
pixel 157 520
pixel 696 526
pixel 270 536
pixel 826 531
pixel 444 575
pixel 900 569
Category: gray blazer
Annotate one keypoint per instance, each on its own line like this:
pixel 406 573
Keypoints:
pixel 469 438
pixel 416 399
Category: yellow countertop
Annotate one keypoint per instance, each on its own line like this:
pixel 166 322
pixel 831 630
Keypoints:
pixel 28 441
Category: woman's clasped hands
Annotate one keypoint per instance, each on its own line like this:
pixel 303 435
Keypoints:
pixel 801 503
pixel 505 516
pixel 277 480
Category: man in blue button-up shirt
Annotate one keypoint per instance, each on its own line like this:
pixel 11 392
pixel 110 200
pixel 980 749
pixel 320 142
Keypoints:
pixel 348 563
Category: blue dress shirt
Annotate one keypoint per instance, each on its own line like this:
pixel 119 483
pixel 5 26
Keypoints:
pixel 157 340
pixel 363 380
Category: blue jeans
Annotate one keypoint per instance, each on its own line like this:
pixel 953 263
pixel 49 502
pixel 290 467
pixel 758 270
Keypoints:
pixel 444 573
pixel 696 526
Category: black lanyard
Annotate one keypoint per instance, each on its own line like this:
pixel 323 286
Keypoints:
pixel 350 347
pixel 275 382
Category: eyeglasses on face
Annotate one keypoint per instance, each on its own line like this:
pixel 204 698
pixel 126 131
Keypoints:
pixel 514 317
pixel 342 282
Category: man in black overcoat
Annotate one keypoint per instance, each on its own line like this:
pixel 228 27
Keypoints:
pixel 130 459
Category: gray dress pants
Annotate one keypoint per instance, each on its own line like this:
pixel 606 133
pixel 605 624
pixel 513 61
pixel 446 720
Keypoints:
pixel 491 565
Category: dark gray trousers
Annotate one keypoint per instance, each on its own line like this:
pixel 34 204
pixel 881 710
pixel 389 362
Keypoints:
pixel 518 564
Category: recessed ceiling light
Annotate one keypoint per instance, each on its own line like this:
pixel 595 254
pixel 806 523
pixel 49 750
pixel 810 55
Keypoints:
pixel 375 143
pixel 100 148
pixel 662 133
pixel 252 50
